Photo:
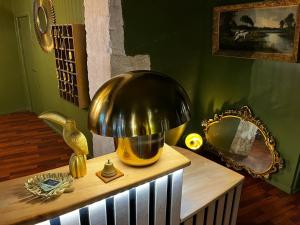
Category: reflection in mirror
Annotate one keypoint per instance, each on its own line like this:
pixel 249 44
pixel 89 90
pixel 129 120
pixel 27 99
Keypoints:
pixel 243 142
pixel 42 20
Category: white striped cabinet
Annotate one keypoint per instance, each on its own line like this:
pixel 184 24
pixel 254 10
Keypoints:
pixel 153 203
pixel 222 211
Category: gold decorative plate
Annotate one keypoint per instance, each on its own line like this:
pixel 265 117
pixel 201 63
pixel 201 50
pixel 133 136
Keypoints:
pixel 33 184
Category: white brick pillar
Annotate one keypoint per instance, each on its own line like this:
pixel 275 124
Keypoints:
pixel 106 53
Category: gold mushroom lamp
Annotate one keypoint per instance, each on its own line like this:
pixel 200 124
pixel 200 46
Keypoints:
pixel 136 109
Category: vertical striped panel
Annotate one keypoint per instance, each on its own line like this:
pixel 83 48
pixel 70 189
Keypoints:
pixel 44 223
pixel 154 203
pixel 121 208
pixel 188 221
pixel 97 213
pixel 110 211
pixel 175 197
pixel 160 200
pixel 55 221
pixel 200 217
pixel 228 207
pixel 142 204
pixel 235 206
pixel 71 218
pixel 220 210
pixel 84 216
pixel 132 206
pixel 211 213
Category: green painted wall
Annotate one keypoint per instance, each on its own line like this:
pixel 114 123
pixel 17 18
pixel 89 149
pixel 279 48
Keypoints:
pixel 177 36
pixel 12 92
pixel 41 66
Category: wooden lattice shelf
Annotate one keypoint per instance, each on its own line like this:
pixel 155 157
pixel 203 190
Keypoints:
pixel 70 56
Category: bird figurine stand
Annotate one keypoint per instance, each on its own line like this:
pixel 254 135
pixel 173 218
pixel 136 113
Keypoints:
pixel 74 139
pixel 109 172
pixel 77 165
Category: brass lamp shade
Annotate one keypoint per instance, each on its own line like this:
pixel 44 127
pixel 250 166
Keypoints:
pixel 137 108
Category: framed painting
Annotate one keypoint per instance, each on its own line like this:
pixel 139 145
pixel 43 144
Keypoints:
pixel 264 30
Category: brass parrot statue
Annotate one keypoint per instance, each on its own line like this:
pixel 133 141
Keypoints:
pixel 74 139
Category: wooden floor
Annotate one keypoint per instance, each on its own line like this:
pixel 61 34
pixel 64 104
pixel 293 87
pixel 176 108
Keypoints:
pixel 263 204
pixel 28 145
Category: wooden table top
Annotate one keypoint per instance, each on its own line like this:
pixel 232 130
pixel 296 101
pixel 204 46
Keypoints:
pixel 18 207
pixel 203 182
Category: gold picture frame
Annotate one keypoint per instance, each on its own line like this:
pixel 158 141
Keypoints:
pixel 245 113
pixel 265 30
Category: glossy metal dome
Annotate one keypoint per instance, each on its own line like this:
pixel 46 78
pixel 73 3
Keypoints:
pixel 138 103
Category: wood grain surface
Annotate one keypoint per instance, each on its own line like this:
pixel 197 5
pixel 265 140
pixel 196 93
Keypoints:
pixel 23 134
pixel 17 206
pixel 203 182
pixel 262 203
pixel 28 145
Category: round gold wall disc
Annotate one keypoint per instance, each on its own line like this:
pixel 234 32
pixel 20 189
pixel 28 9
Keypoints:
pixel 44 17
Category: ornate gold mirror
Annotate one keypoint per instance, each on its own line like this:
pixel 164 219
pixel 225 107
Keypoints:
pixel 243 142
pixel 44 17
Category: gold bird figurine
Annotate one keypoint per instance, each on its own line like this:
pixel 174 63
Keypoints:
pixel 74 139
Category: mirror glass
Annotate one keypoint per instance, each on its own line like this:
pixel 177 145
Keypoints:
pixel 42 19
pixel 241 141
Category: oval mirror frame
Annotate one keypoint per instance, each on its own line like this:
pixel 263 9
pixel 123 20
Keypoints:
pixel 245 113
pixel 43 34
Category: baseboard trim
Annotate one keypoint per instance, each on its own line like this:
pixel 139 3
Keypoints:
pixel 296 181
pixel 295 190
pixel 282 187
pixel 15 111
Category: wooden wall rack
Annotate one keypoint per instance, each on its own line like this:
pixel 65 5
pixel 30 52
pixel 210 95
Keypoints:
pixel 71 63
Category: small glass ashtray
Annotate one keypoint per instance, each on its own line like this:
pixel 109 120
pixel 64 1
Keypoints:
pixel 49 185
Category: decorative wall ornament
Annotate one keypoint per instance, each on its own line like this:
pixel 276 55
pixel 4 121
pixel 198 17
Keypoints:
pixel 243 142
pixel 75 139
pixel 44 17
pixel 71 67
pixel 265 30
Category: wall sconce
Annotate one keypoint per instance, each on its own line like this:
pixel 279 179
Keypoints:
pixel 193 141
pixel 137 108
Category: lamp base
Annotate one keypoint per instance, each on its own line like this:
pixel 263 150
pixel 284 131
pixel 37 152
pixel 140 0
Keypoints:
pixel 140 150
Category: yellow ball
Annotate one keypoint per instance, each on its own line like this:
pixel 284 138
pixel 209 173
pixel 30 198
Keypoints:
pixel 193 141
